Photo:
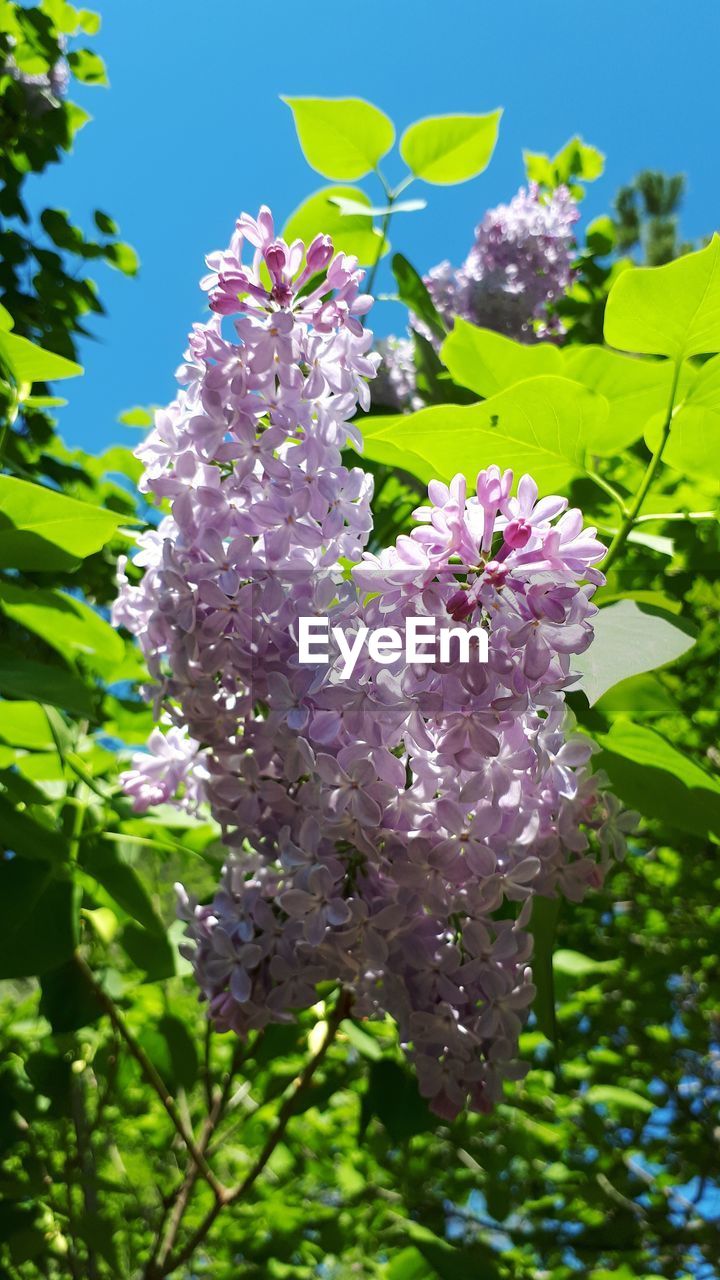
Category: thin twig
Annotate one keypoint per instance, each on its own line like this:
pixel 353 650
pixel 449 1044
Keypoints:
pixel 152 1076
pixel 176 1203
pixel 230 1197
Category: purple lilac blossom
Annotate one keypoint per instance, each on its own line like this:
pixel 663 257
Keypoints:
pixel 376 826
pixel 519 265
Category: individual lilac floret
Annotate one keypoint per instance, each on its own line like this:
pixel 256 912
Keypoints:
pixel 387 830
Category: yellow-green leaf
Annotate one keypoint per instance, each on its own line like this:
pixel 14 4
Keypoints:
pixel 341 138
pixel 353 233
pixel 673 310
pixel 453 148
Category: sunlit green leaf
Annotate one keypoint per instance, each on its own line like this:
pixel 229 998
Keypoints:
pixel 67 624
pixel 651 775
pixel 634 389
pixel 573 964
pixel 87 67
pixel 341 138
pixel 45 531
pixel 448 149
pixel 488 362
pixel 538 426
pixel 30 363
pixel 615 1097
pixel 318 215
pixel 673 310
pixel 25 724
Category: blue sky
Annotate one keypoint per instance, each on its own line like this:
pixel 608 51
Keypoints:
pixel 192 131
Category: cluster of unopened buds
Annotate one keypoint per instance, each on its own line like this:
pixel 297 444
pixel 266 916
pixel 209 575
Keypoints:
pixel 387 831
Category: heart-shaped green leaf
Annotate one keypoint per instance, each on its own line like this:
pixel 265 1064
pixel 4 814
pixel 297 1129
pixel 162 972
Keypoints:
pixel 341 138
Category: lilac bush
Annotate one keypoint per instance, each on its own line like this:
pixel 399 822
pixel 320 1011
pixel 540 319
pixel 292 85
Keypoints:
pixel 389 831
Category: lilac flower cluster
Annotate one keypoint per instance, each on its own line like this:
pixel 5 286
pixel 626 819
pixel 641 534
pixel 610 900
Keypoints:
pixel 520 264
pixel 377 825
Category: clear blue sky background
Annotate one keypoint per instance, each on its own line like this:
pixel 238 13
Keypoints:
pixel 192 131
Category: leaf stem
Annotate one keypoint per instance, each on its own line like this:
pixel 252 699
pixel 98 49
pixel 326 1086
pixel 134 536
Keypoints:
pixel 653 466
pixel 609 489
pixel 381 243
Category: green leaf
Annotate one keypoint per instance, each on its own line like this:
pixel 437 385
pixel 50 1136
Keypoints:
pixel 149 952
pixel 634 389
pixel 104 223
pixel 488 362
pixel 413 291
pixel 651 775
pixel 45 531
pixel 183 1054
pixel 539 426
pixel 576 159
pixel 67 1000
pixel 630 637
pixel 38 928
pixel 366 1045
pixel 123 257
pixel 543 925
pixel 21 834
pixel 89 22
pixel 57 686
pixel 640 697
pixel 87 67
pixel 693 445
pixel 452 1262
pixel 318 215
pixel 600 235
pixel 392 1095
pixel 673 310
pixel 25 724
pixel 573 964
pixel 106 865
pixel 447 149
pixel 409 1265
pixel 29 363
pixel 341 138
pixel 138 416
pixel 615 1098
pixel 67 624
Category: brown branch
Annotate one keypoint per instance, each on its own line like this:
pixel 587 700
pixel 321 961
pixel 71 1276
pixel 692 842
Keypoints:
pixel 153 1078
pixel 86 1168
pixel 178 1200
pixel 231 1196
